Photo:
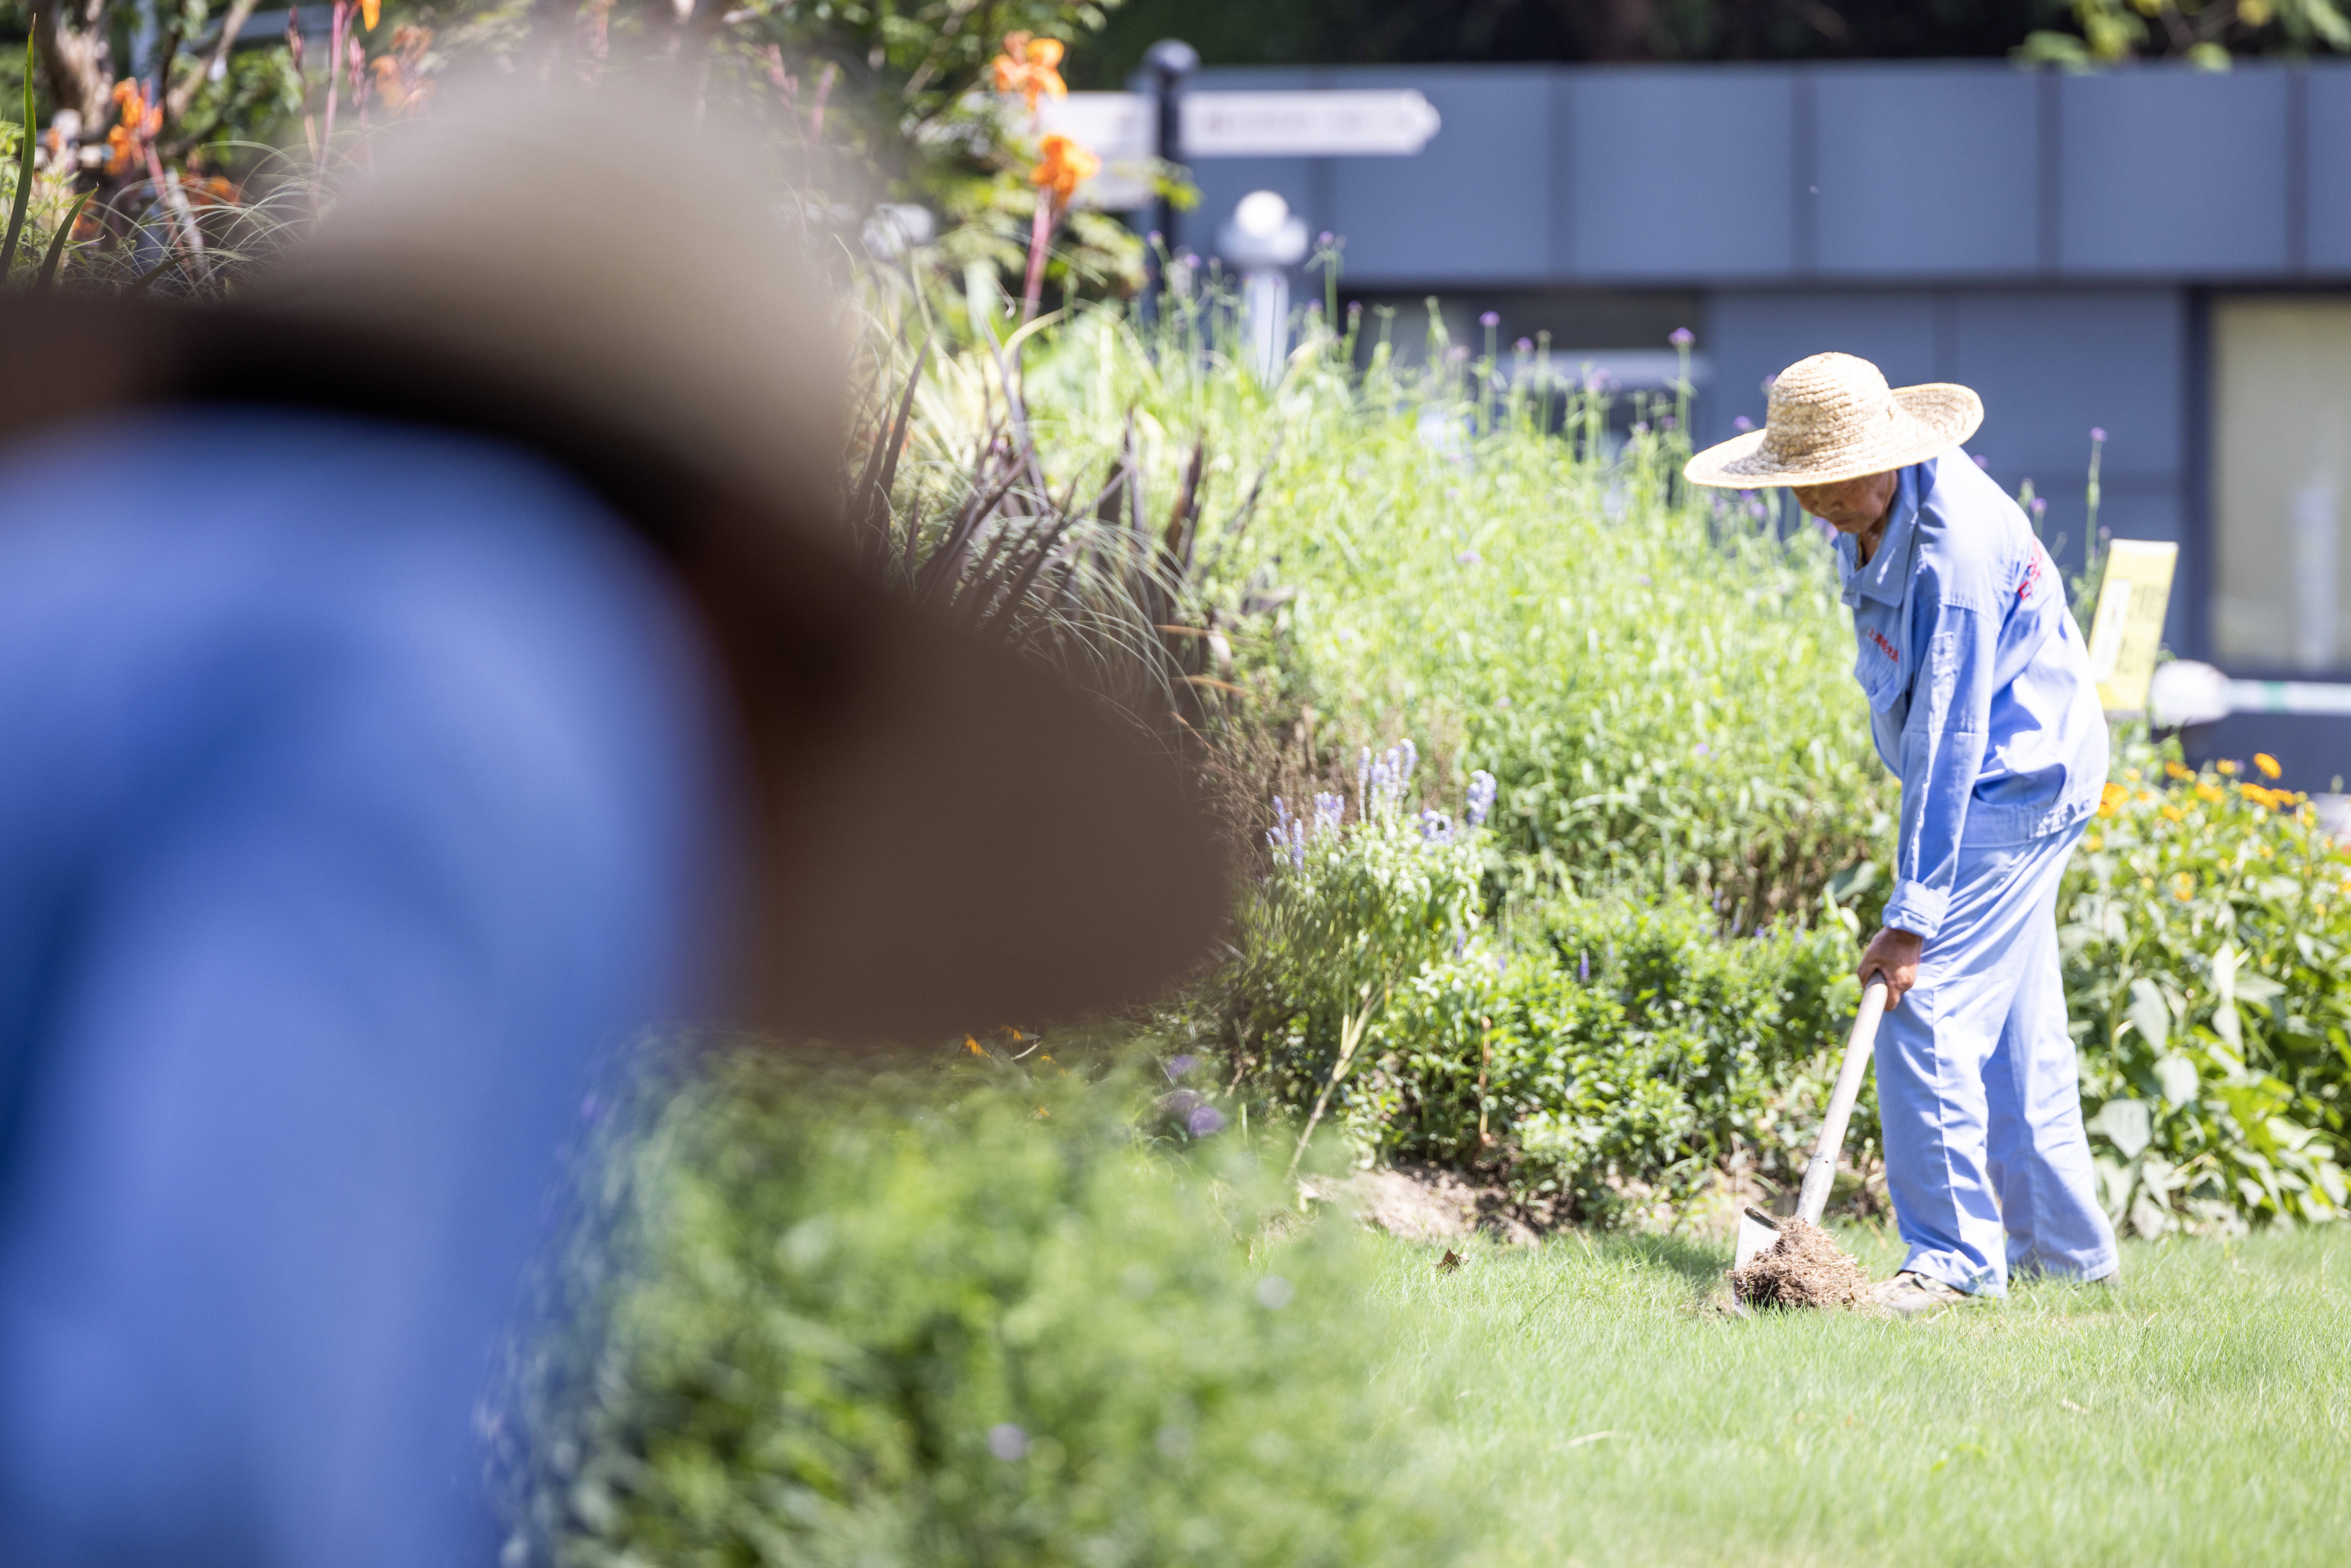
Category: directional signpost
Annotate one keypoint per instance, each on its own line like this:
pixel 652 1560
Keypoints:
pixel 1122 128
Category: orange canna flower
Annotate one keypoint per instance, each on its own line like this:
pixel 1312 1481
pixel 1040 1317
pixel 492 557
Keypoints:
pixel 2267 764
pixel 1062 165
pixel 138 123
pixel 1031 68
pixel 370 12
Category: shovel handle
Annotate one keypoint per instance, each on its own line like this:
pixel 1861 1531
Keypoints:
pixel 1820 1173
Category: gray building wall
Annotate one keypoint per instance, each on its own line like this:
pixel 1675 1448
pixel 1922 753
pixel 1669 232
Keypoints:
pixel 2050 240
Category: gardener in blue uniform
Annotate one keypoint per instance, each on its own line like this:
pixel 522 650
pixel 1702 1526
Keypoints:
pixel 1981 700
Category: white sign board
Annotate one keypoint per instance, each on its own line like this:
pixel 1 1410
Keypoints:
pixel 1121 129
pixel 1308 124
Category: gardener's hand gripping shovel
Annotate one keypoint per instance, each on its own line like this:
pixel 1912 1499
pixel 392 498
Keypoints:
pixel 1758 1232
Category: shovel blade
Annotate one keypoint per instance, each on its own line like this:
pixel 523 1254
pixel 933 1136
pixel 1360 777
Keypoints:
pixel 1757 1235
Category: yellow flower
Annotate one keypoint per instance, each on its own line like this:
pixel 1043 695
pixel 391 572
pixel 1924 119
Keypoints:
pixel 2227 768
pixel 2209 792
pixel 2115 795
pixel 2131 774
pixel 2176 771
pixel 2093 841
pixel 2267 764
pixel 1062 165
pixel 2255 13
pixel 971 1043
pixel 2183 887
pixel 2174 813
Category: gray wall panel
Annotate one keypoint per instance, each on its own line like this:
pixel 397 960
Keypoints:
pixel 1474 205
pixel 2173 173
pixel 1759 333
pixel 2328 190
pixel 2051 364
pixel 1925 171
pixel 1681 173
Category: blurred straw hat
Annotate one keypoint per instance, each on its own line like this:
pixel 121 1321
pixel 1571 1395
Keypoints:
pixel 947 836
pixel 1831 417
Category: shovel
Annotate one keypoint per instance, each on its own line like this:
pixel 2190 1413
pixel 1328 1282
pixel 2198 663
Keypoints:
pixel 1758 1231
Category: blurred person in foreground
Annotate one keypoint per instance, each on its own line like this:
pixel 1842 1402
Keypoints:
pixel 1982 702
pixel 419 676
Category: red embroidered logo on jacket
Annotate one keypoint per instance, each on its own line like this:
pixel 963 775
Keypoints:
pixel 2032 573
pixel 1884 646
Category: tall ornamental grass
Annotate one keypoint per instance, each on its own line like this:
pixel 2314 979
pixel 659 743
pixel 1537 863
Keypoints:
pixel 1657 680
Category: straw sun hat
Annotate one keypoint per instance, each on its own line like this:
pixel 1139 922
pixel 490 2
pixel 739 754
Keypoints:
pixel 1831 418
pixel 944 836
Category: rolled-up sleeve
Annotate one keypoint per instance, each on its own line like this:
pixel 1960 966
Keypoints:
pixel 1943 747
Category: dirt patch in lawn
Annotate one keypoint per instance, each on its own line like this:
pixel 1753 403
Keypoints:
pixel 1426 1203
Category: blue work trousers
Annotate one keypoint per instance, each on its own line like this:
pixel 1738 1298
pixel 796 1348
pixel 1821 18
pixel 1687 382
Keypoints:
pixel 1978 1092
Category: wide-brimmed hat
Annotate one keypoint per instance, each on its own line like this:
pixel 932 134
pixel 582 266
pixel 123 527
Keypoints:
pixel 1831 417
pixel 945 836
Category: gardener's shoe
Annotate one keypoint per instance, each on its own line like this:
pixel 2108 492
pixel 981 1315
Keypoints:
pixel 1908 1294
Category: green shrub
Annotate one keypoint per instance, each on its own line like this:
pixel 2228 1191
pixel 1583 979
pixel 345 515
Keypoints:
pixel 980 1323
pixel 2207 967
pixel 1620 1060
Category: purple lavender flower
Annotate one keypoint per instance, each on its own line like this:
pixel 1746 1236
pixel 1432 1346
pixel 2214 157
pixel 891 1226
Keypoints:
pixel 1468 558
pixel 1703 750
pixel 1279 834
pixel 2097 433
pixel 1329 812
pixel 1154 237
pixel 1584 967
pixel 1640 427
pixel 1298 845
pixel 1743 424
pixel 1682 338
pixel 2040 505
pixel 1179 1067
pixel 1982 461
pixel 1435 828
pixel 1204 1119
pixel 1325 237
pixel 1524 345
pixel 1482 798
pixel 1490 318
pixel 1755 510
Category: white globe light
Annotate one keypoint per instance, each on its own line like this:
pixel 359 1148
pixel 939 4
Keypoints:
pixel 1261 214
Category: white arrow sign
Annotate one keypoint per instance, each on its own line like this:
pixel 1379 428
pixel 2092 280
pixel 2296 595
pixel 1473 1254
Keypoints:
pixel 1309 124
pixel 1121 129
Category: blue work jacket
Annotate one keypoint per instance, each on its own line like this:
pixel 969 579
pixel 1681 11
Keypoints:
pixel 1979 683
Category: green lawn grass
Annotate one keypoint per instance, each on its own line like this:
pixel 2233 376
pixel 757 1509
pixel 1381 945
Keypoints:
pixel 2197 1413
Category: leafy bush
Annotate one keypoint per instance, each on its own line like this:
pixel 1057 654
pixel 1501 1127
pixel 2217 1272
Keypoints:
pixel 2207 929
pixel 984 1324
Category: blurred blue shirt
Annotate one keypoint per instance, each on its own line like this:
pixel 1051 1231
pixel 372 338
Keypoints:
pixel 1980 691
pixel 358 790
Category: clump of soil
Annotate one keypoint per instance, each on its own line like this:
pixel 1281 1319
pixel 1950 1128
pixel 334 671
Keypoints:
pixel 1803 1268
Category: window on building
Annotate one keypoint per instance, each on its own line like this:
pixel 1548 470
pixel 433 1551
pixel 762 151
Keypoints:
pixel 2281 482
